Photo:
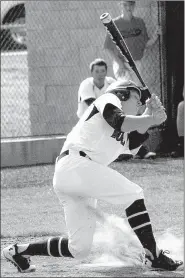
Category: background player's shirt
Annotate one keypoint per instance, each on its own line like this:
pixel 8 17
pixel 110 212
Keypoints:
pixel 135 34
pixel 88 90
pixel 96 137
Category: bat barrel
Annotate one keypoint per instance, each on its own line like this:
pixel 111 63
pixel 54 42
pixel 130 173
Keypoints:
pixel 121 44
pixel 105 18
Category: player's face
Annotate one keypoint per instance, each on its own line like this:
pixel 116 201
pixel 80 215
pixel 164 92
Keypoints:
pixel 127 7
pixel 99 73
pixel 132 105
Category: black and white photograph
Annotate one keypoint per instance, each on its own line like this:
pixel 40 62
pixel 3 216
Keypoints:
pixel 92 138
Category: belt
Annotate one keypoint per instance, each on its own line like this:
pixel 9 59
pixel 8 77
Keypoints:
pixel 81 153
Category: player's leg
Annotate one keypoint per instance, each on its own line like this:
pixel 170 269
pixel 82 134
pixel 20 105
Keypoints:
pixel 139 220
pixel 179 152
pixel 80 221
pixel 180 119
pixel 104 183
pixel 84 177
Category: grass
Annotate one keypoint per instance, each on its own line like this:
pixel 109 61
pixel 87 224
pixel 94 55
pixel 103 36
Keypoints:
pixel 31 206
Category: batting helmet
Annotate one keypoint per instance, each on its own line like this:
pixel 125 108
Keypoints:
pixel 122 89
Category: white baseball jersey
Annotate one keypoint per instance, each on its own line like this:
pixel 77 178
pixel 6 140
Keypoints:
pixel 88 90
pixel 103 142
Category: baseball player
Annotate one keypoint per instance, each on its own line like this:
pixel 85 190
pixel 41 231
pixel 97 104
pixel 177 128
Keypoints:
pixel 82 177
pixel 134 31
pixel 94 86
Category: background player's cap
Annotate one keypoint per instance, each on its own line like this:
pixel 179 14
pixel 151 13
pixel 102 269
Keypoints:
pixel 122 89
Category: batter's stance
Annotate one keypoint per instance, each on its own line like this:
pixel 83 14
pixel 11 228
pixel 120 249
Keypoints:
pixel 82 177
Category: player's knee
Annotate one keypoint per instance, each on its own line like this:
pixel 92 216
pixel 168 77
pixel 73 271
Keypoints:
pixel 80 251
pixel 140 194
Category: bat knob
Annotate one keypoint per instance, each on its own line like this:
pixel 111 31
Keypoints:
pixel 105 18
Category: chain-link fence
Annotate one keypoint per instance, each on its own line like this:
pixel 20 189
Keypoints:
pixel 56 41
pixel 14 71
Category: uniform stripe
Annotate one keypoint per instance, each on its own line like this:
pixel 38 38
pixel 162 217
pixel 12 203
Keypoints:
pixel 54 247
pixel 137 206
pixel 48 246
pixel 93 112
pixel 139 213
pixel 59 246
pixel 139 220
pixel 140 226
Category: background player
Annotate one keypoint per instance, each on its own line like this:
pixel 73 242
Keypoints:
pixel 94 86
pixel 82 176
pixel 134 32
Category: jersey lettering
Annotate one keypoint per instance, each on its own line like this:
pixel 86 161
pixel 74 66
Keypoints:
pixel 118 135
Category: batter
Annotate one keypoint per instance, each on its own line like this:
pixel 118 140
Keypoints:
pixel 82 177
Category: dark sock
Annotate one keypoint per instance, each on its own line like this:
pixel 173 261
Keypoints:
pixel 55 246
pixel 139 221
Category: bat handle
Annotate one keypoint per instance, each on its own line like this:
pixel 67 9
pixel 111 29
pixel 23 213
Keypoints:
pixel 145 91
pixel 139 76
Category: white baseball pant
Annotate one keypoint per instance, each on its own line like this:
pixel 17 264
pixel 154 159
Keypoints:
pixel 78 183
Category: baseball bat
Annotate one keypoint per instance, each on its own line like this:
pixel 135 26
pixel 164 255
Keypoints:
pixel 123 49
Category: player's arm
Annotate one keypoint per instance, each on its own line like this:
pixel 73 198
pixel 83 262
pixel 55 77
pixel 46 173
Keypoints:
pixel 154 114
pixel 85 92
pixel 111 48
pixel 89 101
pixel 115 118
pixel 109 107
pixel 143 122
pixel 139 123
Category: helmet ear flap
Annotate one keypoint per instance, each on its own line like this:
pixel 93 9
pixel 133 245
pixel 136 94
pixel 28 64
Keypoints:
pixel 123 95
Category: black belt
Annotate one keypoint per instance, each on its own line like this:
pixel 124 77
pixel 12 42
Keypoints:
pixel 81 153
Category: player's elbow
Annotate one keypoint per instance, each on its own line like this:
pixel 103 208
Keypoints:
pixel 127 126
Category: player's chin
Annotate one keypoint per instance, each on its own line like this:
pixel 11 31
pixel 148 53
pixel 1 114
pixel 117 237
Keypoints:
pixel 131 110
pixel 140 109
pixel 135 112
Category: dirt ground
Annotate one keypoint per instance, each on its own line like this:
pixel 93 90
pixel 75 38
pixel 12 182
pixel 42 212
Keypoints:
pixel 30 211
pixel 60 267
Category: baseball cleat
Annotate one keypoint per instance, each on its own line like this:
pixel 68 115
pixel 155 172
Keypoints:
pixel 162 262
pixel 150 155
pixel 21 262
